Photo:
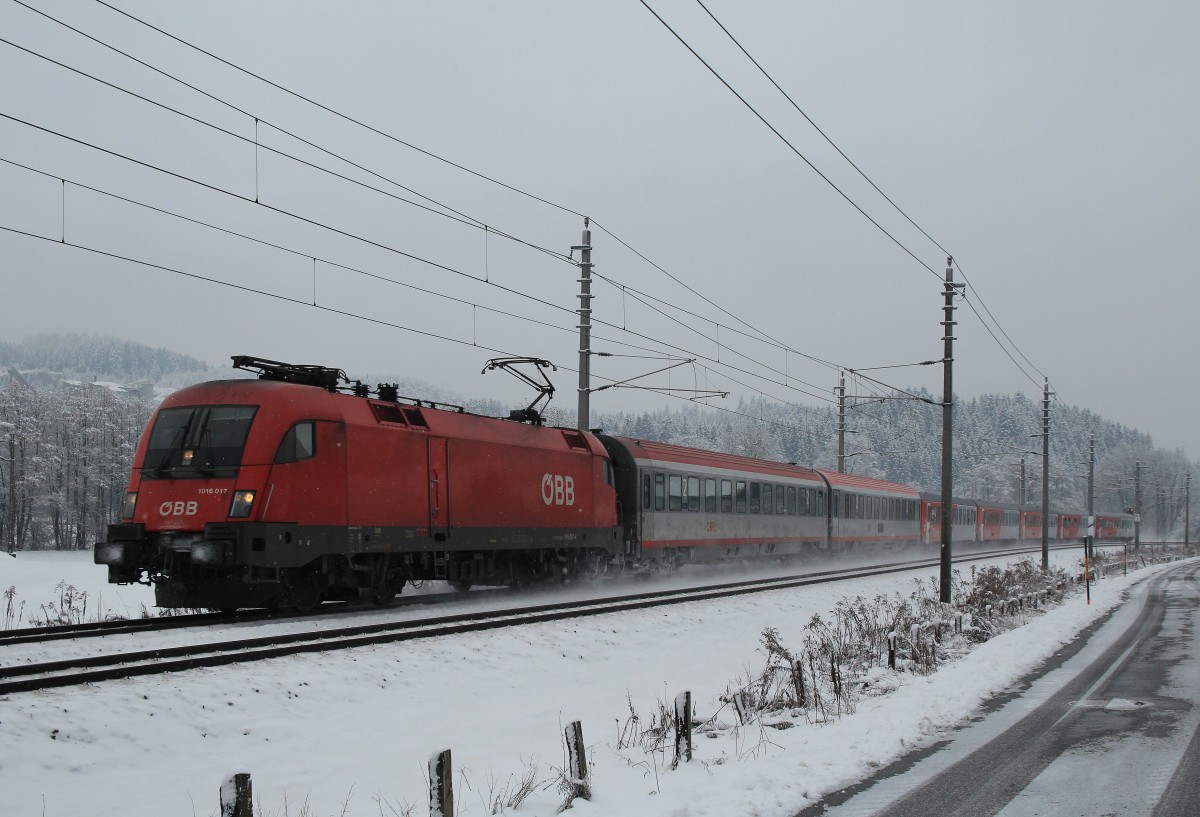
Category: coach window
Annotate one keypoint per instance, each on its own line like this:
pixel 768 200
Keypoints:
pixel 660 492
pixel 791 500
pixel 780 501
pixel 740 496
pixel 768 499
pixel 298 444
pixel 646 492
pixel 726 496
pixel 820 503
pixel 755 493
pixel 693 484
pixel 710 495
pixel 675 494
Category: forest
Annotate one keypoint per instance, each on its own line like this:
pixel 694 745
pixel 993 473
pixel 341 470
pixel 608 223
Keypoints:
pixel 73 407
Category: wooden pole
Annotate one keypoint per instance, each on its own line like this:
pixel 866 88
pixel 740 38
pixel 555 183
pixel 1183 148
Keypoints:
pixel 683 727
pixel 236 797
pixel 441 785
pixel 577 759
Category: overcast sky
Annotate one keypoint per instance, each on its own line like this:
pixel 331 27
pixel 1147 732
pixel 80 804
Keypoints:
pixel 1050 147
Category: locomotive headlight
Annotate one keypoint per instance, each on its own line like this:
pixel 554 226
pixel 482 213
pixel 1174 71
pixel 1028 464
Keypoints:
pixel 243 503
pixel 208 553
pixel 109 553
pixel 130 504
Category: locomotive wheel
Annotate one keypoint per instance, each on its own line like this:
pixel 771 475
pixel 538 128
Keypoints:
pixel 302 590
pixel 386 595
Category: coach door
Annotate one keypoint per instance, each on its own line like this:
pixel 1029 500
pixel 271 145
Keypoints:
pixel 439 489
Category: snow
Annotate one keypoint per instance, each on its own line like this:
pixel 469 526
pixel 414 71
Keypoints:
pixel 352 730
pixel 36 576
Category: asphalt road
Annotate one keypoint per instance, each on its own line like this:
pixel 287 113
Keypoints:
pixel 1106 729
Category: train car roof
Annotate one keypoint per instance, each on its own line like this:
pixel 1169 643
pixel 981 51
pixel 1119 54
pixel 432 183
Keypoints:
pixel 998 506
pixel 957 500
pixel 680 455
pixel 316 403
pixel 861 483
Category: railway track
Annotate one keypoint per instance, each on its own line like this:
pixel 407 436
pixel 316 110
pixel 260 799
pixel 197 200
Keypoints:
pixel 36 675
pixel 94 629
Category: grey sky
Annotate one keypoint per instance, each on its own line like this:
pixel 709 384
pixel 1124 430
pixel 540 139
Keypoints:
pixel 1052 147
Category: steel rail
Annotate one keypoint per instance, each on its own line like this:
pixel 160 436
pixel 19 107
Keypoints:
pixel 69 672
pixel 53 632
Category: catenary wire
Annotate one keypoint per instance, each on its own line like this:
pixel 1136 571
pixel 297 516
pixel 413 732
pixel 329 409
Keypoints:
pixel 346 313
pixel 339 114
pixel 397 251
pixel 451 214
pixel 790 146
pixel 470 220
pixel 476 222
pixel 887 198
pixel 432 155
pixel 562 207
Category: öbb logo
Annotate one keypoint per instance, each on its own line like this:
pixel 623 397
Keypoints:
pixel 178 508
pixel 558 490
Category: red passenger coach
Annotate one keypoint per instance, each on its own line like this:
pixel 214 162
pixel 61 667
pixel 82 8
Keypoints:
pixel 282 490
pixel 872 513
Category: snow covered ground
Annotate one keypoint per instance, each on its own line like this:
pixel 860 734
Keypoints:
pixel 349 732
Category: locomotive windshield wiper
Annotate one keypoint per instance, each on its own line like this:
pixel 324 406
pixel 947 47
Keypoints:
pixel 173 446
pixel 206 467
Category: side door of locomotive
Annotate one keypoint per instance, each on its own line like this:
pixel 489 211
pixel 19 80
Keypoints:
pixel 439 489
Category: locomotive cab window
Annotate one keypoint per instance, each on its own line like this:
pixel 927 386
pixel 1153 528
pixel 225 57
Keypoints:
pixel 197 441
pixel 299 443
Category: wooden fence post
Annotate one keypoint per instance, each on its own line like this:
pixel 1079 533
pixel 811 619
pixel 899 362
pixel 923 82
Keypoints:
pixel 577 760
pixel 798 682
pixel 236 799
pixel 745 711
pixel 441 785
pixel 683 727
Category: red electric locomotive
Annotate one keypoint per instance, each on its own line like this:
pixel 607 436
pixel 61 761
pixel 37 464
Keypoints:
pixel 284 491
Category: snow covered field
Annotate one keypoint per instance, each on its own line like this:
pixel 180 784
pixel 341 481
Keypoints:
pixel 349 732
pixel 36 576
